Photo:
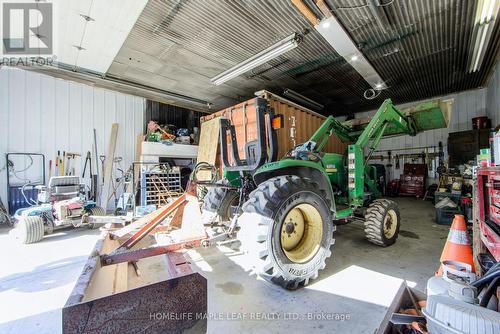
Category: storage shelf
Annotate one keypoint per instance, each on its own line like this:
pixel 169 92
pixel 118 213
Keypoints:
pixel 158 186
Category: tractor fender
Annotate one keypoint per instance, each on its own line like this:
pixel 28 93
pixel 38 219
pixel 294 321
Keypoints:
pixel 302 168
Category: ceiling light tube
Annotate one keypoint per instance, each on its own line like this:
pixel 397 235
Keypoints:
pixel 486 14
pixel 287 44
pixel 333 32
pixel 305 101
pixel 482 38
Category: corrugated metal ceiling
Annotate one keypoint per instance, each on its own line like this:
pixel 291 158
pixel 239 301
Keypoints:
pixel 421 51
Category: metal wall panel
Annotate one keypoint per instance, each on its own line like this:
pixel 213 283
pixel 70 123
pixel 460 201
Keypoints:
pixel 41 114
pixel 493 98
pixel 466 105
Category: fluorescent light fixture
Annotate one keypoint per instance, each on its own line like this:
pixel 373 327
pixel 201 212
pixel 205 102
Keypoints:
pixel 333 32
pixel 484 21
pixel 287 44
pixel 305 101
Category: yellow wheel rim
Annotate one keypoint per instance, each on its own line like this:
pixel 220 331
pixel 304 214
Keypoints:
pixel 301 233
pixel 390 224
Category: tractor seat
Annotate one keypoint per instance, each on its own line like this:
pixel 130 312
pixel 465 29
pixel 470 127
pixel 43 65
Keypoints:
pixel 64 185
pixel 251 152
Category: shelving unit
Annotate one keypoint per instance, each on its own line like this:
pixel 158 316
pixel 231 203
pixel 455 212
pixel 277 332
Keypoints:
pixel 158 186
pixel 487 212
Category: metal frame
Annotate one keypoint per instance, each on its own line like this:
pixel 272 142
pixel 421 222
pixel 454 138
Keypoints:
pixel 264 139
pixel 123 252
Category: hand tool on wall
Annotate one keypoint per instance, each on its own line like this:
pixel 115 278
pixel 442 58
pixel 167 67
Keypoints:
pixel 56 171
pixel 389 165
pixel 102 158
pixel 70 166
pixel 93 186
pixel 67 165
pixel 88 162
pixel 96 156
pixel 61 163
pixel 50 169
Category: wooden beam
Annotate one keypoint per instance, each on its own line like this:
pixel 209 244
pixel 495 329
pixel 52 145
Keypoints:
pixel 306 12
pixel 324 8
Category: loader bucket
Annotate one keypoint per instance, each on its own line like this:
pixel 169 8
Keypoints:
pixel 158 294
pixel 426 116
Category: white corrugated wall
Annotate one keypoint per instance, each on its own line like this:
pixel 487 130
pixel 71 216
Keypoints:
pixel 42 114
pixel 493 98
pixel 466 105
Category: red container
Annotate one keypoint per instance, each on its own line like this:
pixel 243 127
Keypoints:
pixel 480 123
pixel 415 169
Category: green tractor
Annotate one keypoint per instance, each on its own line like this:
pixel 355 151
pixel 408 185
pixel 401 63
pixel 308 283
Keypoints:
pixel 287 210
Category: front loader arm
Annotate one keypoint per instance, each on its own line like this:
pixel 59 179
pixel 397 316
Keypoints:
pixel 327 129
pixel 386 114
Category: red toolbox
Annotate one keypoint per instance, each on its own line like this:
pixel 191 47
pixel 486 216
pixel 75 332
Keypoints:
pixel 412 181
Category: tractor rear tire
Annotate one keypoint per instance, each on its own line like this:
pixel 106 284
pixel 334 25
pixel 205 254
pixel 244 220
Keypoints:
pixel 286 228
pixel 382 222
pixel 217 204
pixel 95 211
pixel 31 229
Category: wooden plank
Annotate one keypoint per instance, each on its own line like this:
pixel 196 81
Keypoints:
pixel 209 143
pixel 120 283
pixel 108 168
pixel 309 15
pixel 135 225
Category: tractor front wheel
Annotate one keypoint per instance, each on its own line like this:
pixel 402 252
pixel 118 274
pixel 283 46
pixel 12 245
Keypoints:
pixel 382 222
pixel 286 228
pixel 31 229
pixel 218 203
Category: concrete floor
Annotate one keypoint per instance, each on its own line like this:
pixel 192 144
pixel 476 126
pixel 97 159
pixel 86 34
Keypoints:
pixel 354 290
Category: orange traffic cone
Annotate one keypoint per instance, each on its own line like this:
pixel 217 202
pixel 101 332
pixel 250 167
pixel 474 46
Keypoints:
pixel 458 246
